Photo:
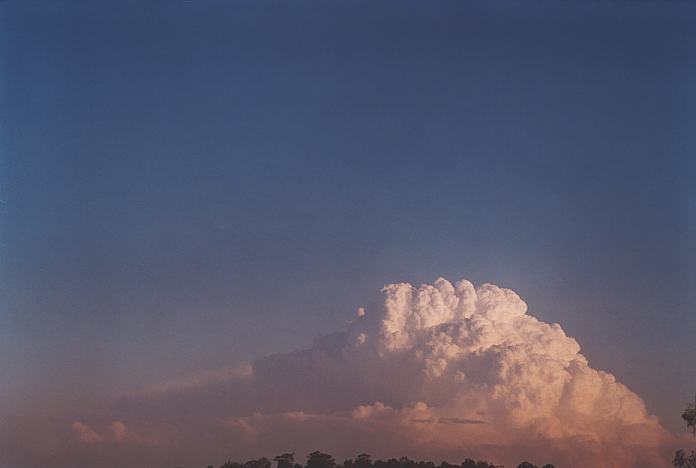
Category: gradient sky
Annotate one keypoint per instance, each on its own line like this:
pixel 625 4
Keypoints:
pixel 185 185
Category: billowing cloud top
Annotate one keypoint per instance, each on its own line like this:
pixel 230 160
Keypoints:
pixel 451 369
pixel 443 370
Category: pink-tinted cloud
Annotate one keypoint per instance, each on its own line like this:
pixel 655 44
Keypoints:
pixel 203 378
pixel 443 371
pixel 85 433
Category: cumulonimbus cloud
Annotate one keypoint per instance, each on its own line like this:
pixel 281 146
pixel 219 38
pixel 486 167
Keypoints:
pixel 443 370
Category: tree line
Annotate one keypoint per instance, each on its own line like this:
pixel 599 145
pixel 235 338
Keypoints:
pixel 324 460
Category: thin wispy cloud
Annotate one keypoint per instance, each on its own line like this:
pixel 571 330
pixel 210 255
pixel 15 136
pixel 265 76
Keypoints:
pixel 202 378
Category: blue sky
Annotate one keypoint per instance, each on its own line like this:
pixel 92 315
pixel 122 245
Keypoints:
pixel 185 185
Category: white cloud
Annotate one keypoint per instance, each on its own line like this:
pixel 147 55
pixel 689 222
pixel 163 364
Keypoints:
pixel 441 370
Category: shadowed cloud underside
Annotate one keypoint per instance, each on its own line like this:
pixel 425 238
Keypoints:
pixel 445 370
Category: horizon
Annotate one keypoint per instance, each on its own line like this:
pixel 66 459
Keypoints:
pixel 197 198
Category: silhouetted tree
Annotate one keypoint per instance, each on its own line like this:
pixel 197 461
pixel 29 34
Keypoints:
pixel 393 463
pixel 470 463
pixel 405 462
pixel 689 416
pixel 285 460
pixel 320 460
pixel 681 458
pixel 444 464
pixel 363 461
pixel 526 464
pixel 384 464
pixel 262 462
pixel 231 464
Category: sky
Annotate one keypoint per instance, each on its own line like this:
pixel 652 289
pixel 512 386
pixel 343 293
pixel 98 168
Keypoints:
pixel 185 186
